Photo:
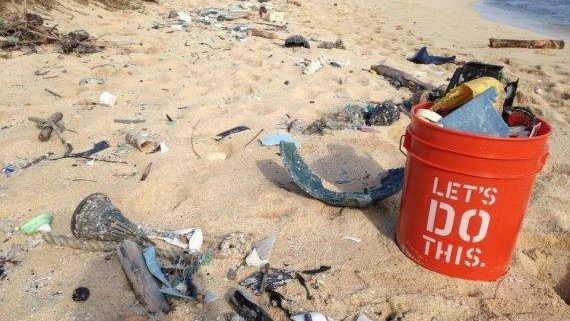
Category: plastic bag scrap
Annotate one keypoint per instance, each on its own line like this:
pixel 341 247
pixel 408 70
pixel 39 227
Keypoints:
pixel 423 57
pixel 313 185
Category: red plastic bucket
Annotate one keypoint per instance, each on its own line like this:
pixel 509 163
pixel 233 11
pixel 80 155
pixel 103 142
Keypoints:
pixel 465 196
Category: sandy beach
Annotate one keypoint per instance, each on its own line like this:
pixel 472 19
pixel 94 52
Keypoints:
pixel 208 82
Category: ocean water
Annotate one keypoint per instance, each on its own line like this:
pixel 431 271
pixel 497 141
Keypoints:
pixel 548 17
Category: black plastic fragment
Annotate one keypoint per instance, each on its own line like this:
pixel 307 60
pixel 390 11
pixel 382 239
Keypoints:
pixel 423 57
pixel 230 131
pixel 275 279
pixel 246 308
pixel 276 299
pixel 474 70
pixel 102 145
pixel 321 269
pixel 297 41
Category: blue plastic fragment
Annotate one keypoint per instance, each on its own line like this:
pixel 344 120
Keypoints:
pixel 313 185
pixel 153 265
pixel 8 170
pixel 478 116
pixel 423 57
pixel 276 139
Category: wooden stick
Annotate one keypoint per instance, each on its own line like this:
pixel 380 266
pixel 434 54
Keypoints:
pixel 45 133
pixel 146 172
pixel 144 285
pixel 53 93
pixel 264 34
pixel 398 78
pixel 529 44
pixel 254 137
pixel 192 140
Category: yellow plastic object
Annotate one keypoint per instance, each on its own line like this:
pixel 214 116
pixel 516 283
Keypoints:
pixel 466 91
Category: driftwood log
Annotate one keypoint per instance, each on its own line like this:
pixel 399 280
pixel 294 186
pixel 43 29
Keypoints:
pixel 398 78
pixel 529 44
pixel 144 285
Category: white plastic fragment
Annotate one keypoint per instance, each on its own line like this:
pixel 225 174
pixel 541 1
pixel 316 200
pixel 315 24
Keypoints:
pixel 352 238
pixel 183 16
pixel 259 256
pixel 163 147
pixel 313 316
pixel 45 228
pixel 429 115
pixel 276 17
pixel 107 99
pixel 254 260
pixel 363 317
pixel 196 240
pixel 316 65
pixel 176 27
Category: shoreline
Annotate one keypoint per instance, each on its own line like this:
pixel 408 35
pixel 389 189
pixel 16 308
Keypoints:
pixel 518 20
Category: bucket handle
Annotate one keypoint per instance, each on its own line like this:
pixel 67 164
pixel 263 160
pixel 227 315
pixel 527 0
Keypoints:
pixel 402 143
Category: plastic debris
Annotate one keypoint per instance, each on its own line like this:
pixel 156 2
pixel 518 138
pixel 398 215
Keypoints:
pixel 478 116
pixel 313 185
pixel 276 139
pixel 259 256
pixel 468 90
pixel 80 294
pixel 321 269
pixel 230 132
pixel 423 57
pixel 8 170
pixel 153 266
pixel 429 115
pixel 175 293
pixel 129 120
pixel 473 70
pixel 97 147
pixel 196 240
pixel 91 81
pixel 40 223
pixel 145 141
pixel 107 99
pixel 96 218
pixel 190 238
pixel 355 117
pixel 297 41
pixel 276 17
pixel 352 238
pixel 521 121
pixel 184 17
pixel 338 44
pixel 306 316
pixel 275 279
pixel 246 308
pixel 363 317
pixel 316 65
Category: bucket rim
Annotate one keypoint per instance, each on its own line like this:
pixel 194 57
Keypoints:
pixel 426 105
